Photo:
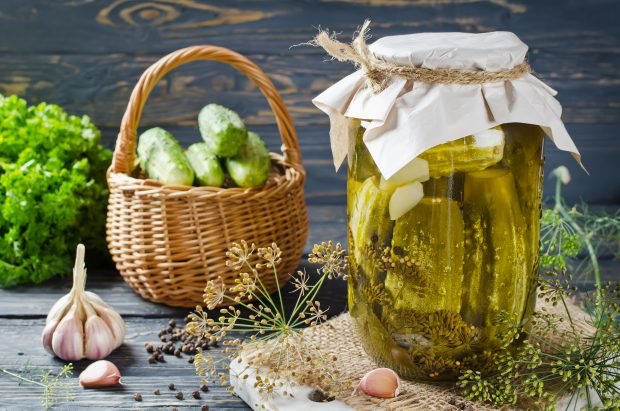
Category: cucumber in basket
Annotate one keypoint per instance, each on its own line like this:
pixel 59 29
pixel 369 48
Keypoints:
pixel 222 129
pixel 251 166
pixel 206 165
pixel 163 159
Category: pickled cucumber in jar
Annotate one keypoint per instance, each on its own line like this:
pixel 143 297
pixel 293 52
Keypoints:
pixel 427 239
pixel 370 232
pixel 496 239
pixel 475 152
pixel 445 250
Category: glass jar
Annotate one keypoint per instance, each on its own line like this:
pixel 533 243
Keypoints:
pixel 439 288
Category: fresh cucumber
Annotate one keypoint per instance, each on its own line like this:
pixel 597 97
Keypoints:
pixel 163 159
pixel 222 129
pixel 206 165
pixel 250 167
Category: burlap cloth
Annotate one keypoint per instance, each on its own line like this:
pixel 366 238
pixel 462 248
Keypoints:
pixel 339 336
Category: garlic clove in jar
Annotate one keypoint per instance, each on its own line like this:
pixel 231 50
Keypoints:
pixel 404 199
pixel 80 325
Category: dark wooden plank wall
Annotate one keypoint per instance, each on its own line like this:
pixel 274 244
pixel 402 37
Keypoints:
pixel 86 55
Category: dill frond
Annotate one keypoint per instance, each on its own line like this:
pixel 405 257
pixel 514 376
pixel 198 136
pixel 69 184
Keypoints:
pixel 51 382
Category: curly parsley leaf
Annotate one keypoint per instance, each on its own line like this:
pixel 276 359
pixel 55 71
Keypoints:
pixel 52 190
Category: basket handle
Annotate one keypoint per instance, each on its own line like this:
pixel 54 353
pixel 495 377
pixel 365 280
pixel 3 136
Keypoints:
pixel 124 151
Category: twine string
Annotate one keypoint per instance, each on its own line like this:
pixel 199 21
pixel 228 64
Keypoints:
pixel 379 72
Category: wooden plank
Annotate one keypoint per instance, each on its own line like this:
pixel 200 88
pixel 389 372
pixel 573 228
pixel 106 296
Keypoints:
pixel 143 26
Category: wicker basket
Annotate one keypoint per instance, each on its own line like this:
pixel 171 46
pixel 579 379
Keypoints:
pixel 167 240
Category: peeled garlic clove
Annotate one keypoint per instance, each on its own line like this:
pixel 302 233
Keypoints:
pixel 381 383
pixel 416 170
pixel 68 338
pixel 404 199
pixel 100 374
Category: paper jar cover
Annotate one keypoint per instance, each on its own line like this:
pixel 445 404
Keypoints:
pixel 407 118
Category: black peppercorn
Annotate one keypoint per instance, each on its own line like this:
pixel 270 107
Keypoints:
pixel 204 388
pixel 171 386
pixel 137 397
pixel 196 394
pixel 156 392
pixel 319 396
pixel 205 408
pixel 172 323
pixel 179 395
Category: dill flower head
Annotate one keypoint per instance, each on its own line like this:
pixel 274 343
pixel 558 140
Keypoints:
pixel 239 254
pixel 214 293
pixel 259 331
pixel 331 258
pixel 271 255
pixel 300 282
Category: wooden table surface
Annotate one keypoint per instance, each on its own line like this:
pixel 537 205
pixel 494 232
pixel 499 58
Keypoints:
pixel 22 317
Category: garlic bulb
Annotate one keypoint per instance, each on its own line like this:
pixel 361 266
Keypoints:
pixel 80 325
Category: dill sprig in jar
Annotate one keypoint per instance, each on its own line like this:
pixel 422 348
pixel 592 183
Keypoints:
pixel 444 135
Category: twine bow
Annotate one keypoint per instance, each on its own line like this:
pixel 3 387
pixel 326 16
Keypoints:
pixel 379 72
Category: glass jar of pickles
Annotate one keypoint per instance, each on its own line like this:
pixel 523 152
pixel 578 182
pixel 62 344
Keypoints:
pixel 444 137
pixel 444 253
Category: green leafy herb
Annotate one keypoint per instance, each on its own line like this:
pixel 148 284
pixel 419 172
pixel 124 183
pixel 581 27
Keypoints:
pixel 52 190
pixel 50 381
pixel 568 233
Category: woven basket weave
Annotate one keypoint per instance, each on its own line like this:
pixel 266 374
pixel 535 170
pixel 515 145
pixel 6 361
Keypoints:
pixel 167 241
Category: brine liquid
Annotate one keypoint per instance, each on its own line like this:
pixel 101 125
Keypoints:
pixel 434 292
